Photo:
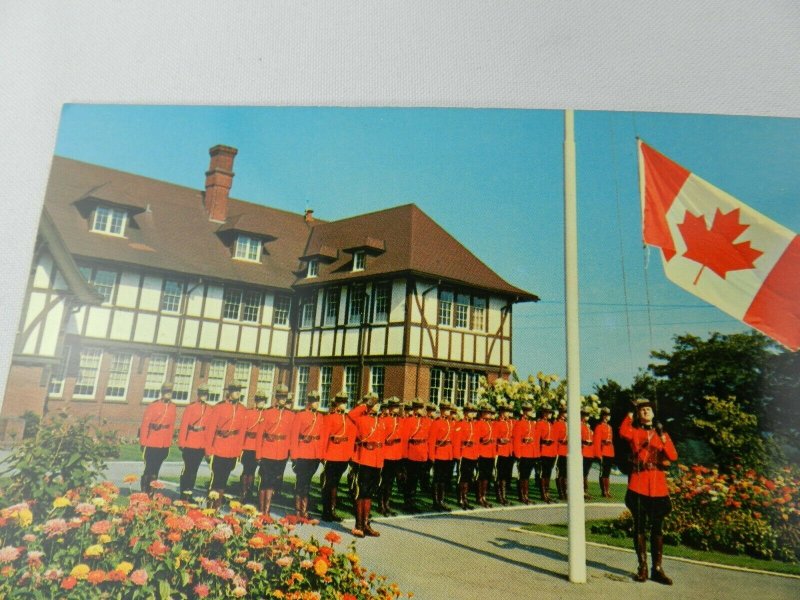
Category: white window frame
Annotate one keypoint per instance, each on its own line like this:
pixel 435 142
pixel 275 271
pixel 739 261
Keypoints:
pixel 96 356
pixel 359 260
pixel 445 313
pixel 448 385
pixel 351 384
pixel 325 385
pixel 332 298
pixel 435 385
pixel 382 294
pixel 242 370
pixel 58 376
pixel 251 300
pixel 105 288
pixel 313 269
pixel 247 248
pixel 115 369
pixel 377 379
pixel 285 312
pixel 462 386
pixel 155 379
pixel 473 386
pixel 231 298
pixel 109 221
pixel 183 379
pixel 170 297
pixel 266 377
pixel 302 385
pixel 358 297
pixel 478 313
pixel 461 312
pixel 217 369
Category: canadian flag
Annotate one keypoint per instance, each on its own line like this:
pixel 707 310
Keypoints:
pixel 720 249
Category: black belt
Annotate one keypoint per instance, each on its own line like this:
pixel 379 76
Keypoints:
pixel 274 437
pixel 250 434
pixel 227 433
pixel 370 445
pixel 443 443
pixel 338 439
pixel 308 438
pixel 416 442
pixel 196 428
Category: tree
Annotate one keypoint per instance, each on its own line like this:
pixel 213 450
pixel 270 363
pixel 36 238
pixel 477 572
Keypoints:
pixel 732 433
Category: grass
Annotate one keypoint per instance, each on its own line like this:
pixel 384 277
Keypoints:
pixel 681 551
pixel 132 452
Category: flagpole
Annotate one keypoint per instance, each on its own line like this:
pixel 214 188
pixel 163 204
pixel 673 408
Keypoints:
pixel 575 504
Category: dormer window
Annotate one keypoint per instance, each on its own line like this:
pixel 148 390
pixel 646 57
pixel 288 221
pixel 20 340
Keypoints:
pixel 313 268
pixel 359 260
pixel 109 220
pixel 248 248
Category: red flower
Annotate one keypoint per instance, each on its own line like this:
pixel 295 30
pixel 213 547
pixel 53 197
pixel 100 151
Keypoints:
pixel 333 537
pixel 202 590
pixel 96 577
pixel 157 549
pixel 68 583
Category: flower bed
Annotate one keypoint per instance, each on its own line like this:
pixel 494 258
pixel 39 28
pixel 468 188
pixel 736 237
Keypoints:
pixel 742 513
pixel 99 545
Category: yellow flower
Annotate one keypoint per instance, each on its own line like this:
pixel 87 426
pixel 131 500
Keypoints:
pixel 235 505
pixel 24 517
pixel 320 567
pixel 277 594
pixel 130 478
pixel 80 571
pixel 104 539
pixel 353 558
pixel 98 501
pixel 209 511
pixel 61 502
pixel 124 567
pixel 212 495
pixel 94 550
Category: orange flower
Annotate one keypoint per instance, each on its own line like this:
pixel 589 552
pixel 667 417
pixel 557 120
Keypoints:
pixel 333 537
pixel 320 566
pixel 68 583
pixel 96 577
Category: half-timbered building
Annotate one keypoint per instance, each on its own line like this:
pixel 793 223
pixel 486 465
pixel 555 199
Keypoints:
pixel 135 282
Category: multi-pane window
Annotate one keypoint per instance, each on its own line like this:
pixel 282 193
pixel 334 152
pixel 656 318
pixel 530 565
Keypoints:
pixel 307 307
pixel 448 383
pixel 359 260
pixel 331 306
pixel 248 248
pixel 381 314
pixel 119 374
pixel 88 370
pixel 445 307
pixel 216 379
pixel 171 296
pixel 473 386
pixel 184 377
pixel 109 220
pixel 325 383
pixel 351 384
pixel 376 377
pixel 453 386
pixel 231 303
pixel 461 388
pixel 313 268
pixel 280 312
pixel 302 385
pixel 55 389
pixel 250 306
pixel 462 310
pixel 241 375
pixel 478 313
pixel 266 375
pixel 104 282
pixel 156 374
pixel 436 385
pixel 356 312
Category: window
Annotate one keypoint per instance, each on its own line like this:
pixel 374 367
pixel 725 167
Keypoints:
pixel 216 379
pixel 55 389
pixel 250 307
pixel 88 370
pixel 247 248
pixel 356 305
pixel 302 385
pixel 184 378
pixel 462 310
pixel 266 375
pixel 454 386
pixel 376 380
pixel 103 281
pixel 351 384
pixel 448 381
pixel 331 306
pixel 325 382
pixel 461 388
pixel 473 386
pixel 436 385
pixel 156 375
pixel 231 303
pixel 241 375
pixel 382 293
pixel 478 313
pixel 313 268
pixel 109 220
pixel 118 377
pixel 171 296
pixel 280 313
pixel 445 307
pixel 307 307
pixel 359 260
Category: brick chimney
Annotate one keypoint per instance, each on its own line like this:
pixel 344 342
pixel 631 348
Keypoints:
pixel 219 179
pixel 309 218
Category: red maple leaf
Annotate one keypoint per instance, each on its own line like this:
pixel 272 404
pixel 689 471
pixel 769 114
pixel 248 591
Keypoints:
pixel 715 248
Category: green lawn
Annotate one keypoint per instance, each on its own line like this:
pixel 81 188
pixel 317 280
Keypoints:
pixel 132 452
pixel 681 551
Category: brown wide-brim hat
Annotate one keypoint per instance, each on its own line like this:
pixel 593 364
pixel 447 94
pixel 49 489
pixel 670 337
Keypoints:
pixel 234 387
pixel 418 403
pixel 605 411
pixel 340 398
pixel 641 403
pixel 167 387
pixel 392 401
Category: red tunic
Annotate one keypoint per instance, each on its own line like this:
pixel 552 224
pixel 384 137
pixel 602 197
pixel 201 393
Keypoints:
pixel 587 441
pixel 158 425
pixel 440 440
pixel 416 430
pixel 338 437
pixel 503 431
pixel 225 431
pixel 560 436
pixel 603 440
pixel 486 440
pixel 467 440
pixel 305 439
pixel 525 439
pixel 273 434
pixel 194 421
pixel 648 452
pixel 394 447
pixel 254 419
pixel 371 435
pixel 548 447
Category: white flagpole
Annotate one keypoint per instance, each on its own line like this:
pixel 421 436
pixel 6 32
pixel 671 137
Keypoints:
pixel 577 524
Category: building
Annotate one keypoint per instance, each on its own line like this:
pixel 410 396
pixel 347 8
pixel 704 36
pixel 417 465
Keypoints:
pixel 136 282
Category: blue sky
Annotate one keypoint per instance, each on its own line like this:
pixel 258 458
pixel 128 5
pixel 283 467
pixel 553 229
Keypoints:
pixel 494 180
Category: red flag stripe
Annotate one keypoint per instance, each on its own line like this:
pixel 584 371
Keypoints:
pixel 663 179
pixel 775 309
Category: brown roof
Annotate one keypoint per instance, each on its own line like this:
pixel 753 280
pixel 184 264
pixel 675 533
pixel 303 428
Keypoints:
pixel 413 243
pixel 169 230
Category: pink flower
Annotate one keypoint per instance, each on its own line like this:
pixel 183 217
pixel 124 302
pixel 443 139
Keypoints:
pixel 139 577
pixel 9 554
pixel 284 561
pixel 157 485
pixel 85 509
pixel 100 527
pixel 55 527
pixel 201 590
